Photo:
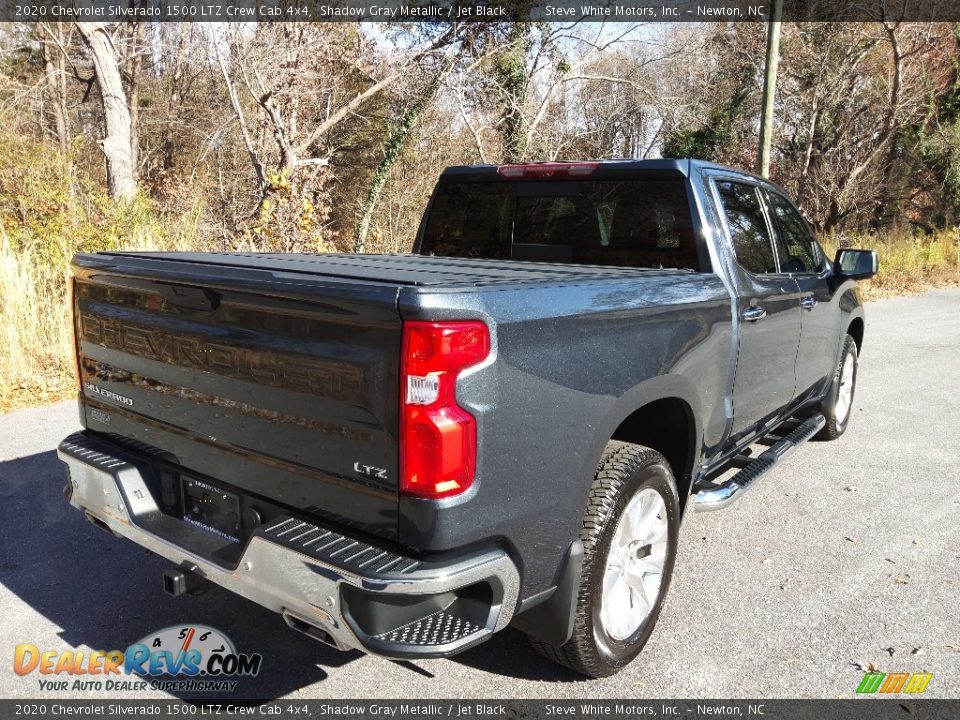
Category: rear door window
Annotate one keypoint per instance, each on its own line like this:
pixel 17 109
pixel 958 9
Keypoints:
pixel 748 226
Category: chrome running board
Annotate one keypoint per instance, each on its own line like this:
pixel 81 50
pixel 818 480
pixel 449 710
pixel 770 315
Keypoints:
pixel 720 496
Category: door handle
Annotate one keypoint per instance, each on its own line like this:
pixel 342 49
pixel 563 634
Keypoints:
pixel 754 313
pixel 808 302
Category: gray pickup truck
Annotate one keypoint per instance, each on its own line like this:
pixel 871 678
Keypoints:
pixel 407 453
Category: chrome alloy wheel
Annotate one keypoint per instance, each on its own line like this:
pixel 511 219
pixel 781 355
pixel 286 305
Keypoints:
pixel 634 571
pixel 845 391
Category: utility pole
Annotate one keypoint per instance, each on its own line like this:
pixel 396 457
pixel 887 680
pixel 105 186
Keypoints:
pixel 769 87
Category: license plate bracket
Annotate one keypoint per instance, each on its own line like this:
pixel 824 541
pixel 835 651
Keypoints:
pixel 211 508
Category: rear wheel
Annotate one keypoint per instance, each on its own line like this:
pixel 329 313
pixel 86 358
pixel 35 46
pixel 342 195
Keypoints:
pixel 838 405
pixel 629 537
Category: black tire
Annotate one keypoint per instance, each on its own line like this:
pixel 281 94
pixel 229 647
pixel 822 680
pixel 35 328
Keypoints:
pixel 624 470
pixel 837 425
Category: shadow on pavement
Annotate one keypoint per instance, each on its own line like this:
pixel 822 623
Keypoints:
pixel 509 653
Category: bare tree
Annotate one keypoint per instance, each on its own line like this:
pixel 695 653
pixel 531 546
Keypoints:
pixel 852 92
pixel 523 92
pixel 296 90
pixel 53 38
pixel 391 152
pixel 117 141
pixel 136 33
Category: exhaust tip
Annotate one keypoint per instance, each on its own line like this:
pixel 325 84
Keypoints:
pixel 310 629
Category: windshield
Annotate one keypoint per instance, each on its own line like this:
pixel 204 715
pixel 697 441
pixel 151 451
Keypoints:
pixel 624 223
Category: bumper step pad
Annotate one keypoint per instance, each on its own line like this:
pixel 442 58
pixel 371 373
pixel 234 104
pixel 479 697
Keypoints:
pixel 332 547
pixel 439 628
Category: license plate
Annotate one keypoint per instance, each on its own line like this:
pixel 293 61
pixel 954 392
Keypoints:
pixel 211 508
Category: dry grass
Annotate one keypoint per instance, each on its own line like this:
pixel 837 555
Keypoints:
pixel 47 215
pixel 34 330
pixel 909 264
pixel 35 338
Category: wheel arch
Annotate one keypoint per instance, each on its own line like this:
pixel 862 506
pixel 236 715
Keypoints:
pixel 851 309
pixel 663 414
pixel 855 330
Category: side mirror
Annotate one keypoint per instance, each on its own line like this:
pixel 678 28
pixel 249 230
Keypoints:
pixel 856 264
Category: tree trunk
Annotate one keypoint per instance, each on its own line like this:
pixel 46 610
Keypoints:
pixel 54 67
pixel 511 75
pixel 886 191
pixel 116 143
pixel 138 33
pixel 391 153
pixel 174 99
pixel 255 160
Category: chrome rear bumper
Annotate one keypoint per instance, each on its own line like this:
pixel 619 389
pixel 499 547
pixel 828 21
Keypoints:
pixel 342 590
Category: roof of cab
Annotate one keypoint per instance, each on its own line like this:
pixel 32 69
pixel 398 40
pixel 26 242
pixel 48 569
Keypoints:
pixel 681 166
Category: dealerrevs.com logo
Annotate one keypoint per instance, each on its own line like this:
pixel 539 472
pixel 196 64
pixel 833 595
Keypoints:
pixel 194 658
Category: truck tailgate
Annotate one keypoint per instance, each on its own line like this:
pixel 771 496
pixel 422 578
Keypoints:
pixel 277 385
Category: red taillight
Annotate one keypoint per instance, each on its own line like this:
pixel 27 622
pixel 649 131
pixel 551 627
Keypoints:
pixel 438 438
pixel 547 169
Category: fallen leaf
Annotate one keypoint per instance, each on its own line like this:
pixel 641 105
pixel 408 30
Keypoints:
pixel 867 666
pixel 917 651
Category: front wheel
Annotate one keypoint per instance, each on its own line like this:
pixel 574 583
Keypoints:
pixel 629 537
pixel 838 405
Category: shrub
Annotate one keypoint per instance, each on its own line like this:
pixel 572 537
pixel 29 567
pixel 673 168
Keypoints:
pixel 48 213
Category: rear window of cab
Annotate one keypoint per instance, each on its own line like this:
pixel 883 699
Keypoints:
pixel 621 223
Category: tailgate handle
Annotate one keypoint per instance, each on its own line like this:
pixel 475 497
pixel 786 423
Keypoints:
pixel 191 298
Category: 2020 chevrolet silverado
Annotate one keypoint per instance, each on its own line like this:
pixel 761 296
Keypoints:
pixel 406 453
